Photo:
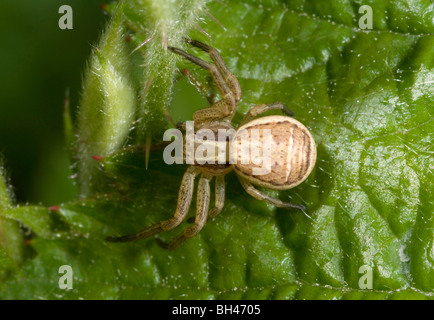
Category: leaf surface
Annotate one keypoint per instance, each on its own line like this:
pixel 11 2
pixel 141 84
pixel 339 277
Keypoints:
pixel 366 95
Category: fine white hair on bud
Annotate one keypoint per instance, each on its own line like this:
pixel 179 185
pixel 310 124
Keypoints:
pixel 108 101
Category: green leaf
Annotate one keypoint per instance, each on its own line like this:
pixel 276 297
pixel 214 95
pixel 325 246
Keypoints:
pixel 12 242
pixel 5 194
pixel 366 95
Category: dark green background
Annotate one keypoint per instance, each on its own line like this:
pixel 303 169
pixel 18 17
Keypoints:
pixel 38 62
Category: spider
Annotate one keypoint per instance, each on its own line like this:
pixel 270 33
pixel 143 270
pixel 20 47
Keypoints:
pixel 293 154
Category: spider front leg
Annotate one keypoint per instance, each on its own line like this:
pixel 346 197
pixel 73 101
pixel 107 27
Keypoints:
pixel 225 81
pixel 227 75
pixel 203 196
pixel 255 193
pixel 262 108
pixel 208 92
pixel 184 200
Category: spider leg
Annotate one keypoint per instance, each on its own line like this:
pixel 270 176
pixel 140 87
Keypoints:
pixel 229 78
pixel 262 108
pixel 255 193
pixel 184 201
pixel 222 108
pixel 219 197
pixel 209 93
pixel 203 195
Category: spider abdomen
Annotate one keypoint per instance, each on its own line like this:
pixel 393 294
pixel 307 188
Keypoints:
pixel 275 152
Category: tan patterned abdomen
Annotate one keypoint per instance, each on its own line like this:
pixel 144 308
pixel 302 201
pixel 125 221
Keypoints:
pixel 286 149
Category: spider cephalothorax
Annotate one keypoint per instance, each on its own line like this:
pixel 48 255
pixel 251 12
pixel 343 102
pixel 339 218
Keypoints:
pixel 291 153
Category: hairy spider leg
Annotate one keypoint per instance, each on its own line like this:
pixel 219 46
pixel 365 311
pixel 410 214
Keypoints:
pixel 224 108
pixel 255 193
pixel 203 196
pixel 219 199
pixel 215 56
pixel 262 108
pixel 184 201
